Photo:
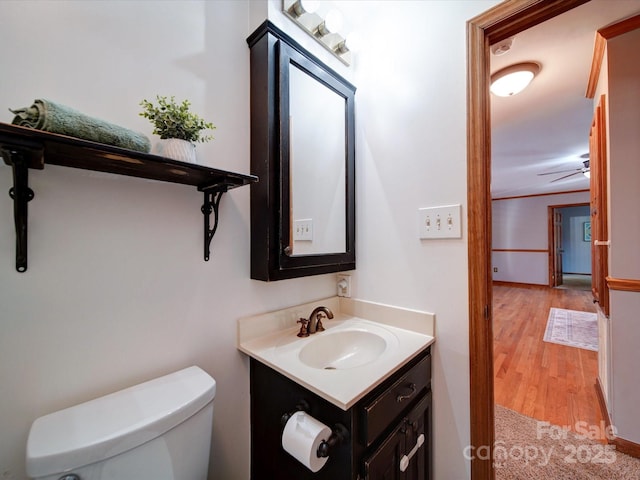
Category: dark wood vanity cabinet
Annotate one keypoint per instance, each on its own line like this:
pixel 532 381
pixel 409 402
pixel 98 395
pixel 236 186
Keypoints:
pixel 385 462
pixel 384 426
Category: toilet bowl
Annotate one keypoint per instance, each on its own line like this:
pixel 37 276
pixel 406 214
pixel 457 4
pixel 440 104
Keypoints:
pixel 159 430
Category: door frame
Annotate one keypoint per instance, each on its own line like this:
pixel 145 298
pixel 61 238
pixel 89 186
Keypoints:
pixel 555 246
pixel 500 22
pixel 552 209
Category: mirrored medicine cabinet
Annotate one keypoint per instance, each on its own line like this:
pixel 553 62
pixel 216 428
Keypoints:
pixel 303 151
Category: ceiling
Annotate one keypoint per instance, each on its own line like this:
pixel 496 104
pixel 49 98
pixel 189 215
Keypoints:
pixel 546 127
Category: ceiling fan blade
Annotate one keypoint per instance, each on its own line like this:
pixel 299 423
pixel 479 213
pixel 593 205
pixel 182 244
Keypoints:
pixel 566 176
pixel 561 171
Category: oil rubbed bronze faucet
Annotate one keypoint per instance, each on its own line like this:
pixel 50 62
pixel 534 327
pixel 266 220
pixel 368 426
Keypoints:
pixel 314 324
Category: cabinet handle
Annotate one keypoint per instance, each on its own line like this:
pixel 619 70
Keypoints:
pixel 401 398
pixel 404 461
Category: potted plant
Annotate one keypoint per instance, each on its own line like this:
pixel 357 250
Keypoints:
pixel 178 127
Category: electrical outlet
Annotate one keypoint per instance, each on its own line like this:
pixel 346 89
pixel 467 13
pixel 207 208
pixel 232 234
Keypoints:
pixel 495 269
pixel 344 285
pixel 303 229
pixel 440 222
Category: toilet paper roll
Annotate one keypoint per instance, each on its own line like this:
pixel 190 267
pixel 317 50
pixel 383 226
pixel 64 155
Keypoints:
pixel 301 438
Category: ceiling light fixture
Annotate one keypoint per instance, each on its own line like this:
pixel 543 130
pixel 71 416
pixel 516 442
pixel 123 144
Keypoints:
pixel 513 79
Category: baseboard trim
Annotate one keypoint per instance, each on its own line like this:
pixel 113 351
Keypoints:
pixel 501 283
pixel 625 446
pixel 622 445
pixel 601 402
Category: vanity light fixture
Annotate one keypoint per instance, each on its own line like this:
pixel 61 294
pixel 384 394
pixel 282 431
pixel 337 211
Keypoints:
pixel 300 7
pixel 513 79
pixel 323 28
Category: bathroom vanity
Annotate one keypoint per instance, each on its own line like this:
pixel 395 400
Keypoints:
pixel 383 426
pixel 379 400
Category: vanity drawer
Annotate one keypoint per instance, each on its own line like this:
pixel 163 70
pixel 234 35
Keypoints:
pixel 394 401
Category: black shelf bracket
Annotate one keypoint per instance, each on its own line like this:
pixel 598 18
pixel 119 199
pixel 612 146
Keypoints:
pixel 212 197
pixel 21 195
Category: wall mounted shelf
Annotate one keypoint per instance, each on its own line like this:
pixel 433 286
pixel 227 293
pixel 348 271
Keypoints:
pixel 24 148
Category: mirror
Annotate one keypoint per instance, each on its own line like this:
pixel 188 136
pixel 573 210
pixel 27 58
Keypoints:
pixel 317 166
pixel 303 151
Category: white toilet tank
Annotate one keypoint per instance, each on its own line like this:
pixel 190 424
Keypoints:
pixel 158 430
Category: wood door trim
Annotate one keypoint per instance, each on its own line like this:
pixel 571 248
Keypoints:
pixel 566 205
pixel 602 36
pixel 525 250
pixel 623 284
pixel 542 195
pixel 500 22
pixel 551 263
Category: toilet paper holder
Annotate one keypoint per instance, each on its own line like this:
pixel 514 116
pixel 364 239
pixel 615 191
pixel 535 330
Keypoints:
pixel 339 432
pixel 302 405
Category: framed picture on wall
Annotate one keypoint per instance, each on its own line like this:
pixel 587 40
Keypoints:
pixel 586 231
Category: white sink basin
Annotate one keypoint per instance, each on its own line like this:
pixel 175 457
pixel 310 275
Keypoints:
pixel 343 349
pixel 342 363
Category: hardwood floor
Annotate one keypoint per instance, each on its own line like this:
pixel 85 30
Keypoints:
pixel 546 381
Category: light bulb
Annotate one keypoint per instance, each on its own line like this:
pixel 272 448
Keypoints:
pixel 333 22
pixel 354 42
pixel 309 6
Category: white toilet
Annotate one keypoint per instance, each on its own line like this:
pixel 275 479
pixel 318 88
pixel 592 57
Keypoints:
pixel 158 430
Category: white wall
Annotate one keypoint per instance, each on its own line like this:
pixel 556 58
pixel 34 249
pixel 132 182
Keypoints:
pixel 117 291
pixel 522 224
pixel 411 153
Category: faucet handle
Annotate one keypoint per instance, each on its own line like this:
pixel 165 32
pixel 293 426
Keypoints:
pixel 319 326
pixel 304 327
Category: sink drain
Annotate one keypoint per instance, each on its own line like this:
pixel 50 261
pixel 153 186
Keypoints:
pixel 329 367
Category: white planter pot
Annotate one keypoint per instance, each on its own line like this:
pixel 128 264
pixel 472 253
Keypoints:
pixel 176 149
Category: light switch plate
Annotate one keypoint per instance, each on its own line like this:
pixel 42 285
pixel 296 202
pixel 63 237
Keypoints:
pixel 440 222
pixel 303 229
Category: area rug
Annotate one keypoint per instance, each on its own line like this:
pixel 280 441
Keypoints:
pixel 528 449
pixel 572 328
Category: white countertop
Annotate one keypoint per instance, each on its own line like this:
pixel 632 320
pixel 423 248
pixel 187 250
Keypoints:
pixel 272 339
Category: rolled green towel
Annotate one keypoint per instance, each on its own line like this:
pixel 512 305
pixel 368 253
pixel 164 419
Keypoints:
pixel 55 118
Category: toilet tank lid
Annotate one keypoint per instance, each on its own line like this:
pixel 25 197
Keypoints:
pixel 109 425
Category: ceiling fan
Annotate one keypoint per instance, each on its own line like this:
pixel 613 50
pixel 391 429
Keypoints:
pixel 584 170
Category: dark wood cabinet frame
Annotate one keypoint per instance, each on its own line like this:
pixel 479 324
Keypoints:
pixel 272 53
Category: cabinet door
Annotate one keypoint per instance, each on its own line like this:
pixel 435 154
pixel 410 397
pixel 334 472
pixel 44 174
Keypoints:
pixel 419 423
pixel 386 462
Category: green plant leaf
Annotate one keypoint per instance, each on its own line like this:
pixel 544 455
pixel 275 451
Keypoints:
pixel 174 120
